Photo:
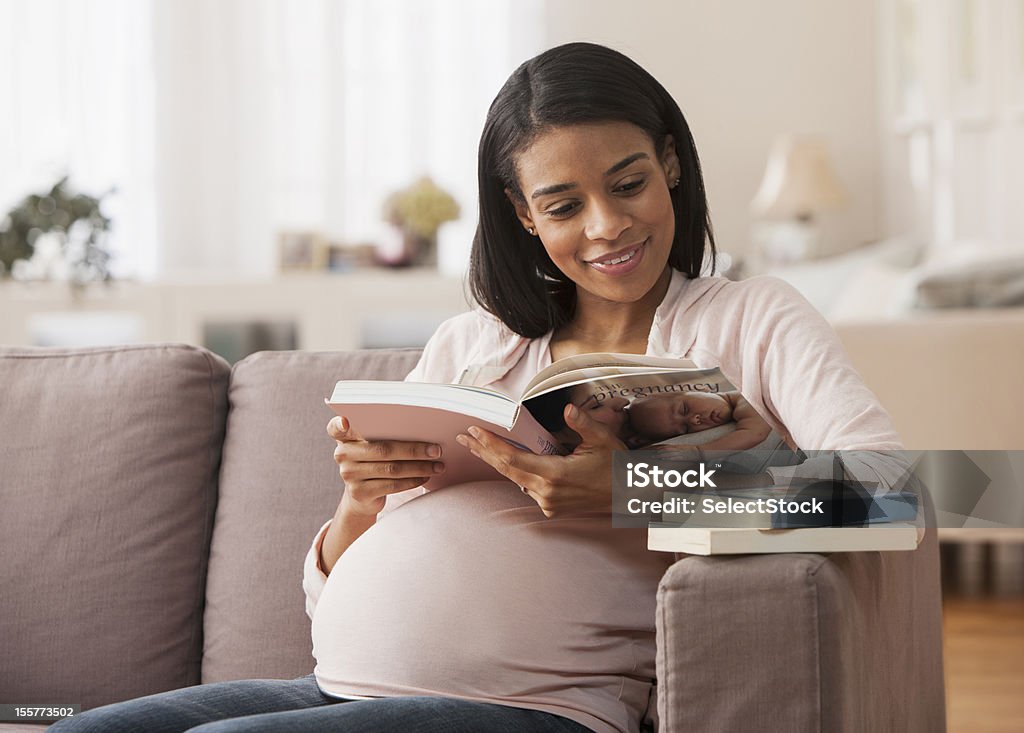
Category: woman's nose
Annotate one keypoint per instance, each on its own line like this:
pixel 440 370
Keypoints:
pixel 606 220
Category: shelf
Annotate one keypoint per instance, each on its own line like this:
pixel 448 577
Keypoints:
pixel 329 311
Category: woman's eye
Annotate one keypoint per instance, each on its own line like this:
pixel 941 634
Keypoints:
pixel 630 186
pixel 561 211
pixel 568 209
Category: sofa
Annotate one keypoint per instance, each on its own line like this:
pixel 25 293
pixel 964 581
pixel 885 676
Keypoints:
pixel 156 505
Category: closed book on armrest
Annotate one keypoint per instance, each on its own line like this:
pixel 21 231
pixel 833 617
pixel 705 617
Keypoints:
pixel 736 541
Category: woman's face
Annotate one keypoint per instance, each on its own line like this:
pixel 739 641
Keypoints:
pixel 597 195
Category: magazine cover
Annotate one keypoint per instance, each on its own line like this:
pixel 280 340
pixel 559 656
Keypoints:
pixel 682 412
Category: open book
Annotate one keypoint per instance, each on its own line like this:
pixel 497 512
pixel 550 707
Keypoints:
pixel 649 402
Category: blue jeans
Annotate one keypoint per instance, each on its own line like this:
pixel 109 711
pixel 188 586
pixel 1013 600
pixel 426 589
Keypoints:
pixel 298 706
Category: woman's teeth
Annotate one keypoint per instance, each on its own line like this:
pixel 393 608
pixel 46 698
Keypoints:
pixel 617 260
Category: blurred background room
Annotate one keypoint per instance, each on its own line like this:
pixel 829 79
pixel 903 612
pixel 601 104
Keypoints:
pixel 255 175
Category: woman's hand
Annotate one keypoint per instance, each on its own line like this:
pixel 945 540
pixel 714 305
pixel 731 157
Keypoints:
pixel 373 469
pixel 576 483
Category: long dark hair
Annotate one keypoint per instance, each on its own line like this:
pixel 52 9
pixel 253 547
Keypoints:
pixel 510 274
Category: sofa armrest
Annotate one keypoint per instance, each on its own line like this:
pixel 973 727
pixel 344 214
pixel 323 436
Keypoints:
pixel 840 642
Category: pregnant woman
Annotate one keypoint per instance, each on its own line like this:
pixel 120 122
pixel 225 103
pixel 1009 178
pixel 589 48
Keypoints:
pixel 513 605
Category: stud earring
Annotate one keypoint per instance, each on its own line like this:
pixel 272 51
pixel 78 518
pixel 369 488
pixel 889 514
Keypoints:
pixel 532 231
pixel 675 182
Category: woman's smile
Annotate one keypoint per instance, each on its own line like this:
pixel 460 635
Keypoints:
pixel 622 261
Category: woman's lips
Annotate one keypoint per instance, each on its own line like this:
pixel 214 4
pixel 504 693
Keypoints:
pixel 633 256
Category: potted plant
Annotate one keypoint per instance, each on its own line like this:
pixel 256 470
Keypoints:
pixel 58 234
pixel 418 212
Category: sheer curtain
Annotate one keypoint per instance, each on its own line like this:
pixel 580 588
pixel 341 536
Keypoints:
pixel 223 123
pixel 76 87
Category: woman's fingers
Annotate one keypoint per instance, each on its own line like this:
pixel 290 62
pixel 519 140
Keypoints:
pixel 373 469
pixel 339 428
pixel 589 429
pixel 352 470
pixel 353 447
pixel 385 451
pixel 518 465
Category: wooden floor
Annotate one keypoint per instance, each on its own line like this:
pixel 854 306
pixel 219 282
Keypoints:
pixel 984 660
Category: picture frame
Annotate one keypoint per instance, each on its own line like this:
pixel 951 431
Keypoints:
pixel 302 250
pixel 342 257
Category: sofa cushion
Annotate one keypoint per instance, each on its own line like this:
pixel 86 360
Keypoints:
pixel 278 485
pixel 108 468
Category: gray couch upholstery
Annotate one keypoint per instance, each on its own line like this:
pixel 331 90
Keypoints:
pixel 156 505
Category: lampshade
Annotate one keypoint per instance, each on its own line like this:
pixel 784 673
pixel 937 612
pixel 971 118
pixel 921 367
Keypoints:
pixel 798 182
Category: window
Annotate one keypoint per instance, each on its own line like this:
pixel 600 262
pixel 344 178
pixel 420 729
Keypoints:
pixel 221 124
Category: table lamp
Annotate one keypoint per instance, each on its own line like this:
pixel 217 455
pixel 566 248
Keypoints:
pixel 799 182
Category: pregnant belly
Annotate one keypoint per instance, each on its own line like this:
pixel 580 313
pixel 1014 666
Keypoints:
pixel 471 591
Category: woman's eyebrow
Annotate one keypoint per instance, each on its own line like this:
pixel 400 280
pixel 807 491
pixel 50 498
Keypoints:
pixel 561 187
pixel 626 161
pixel 557 188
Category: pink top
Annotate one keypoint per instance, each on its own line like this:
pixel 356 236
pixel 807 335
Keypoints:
pixel 471 592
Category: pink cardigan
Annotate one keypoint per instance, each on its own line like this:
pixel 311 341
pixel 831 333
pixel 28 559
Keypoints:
pixel 470 592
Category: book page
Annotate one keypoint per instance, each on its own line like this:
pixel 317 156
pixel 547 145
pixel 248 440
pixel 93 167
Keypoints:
pixel 605 373
pixel 590 361
pixel 677 411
